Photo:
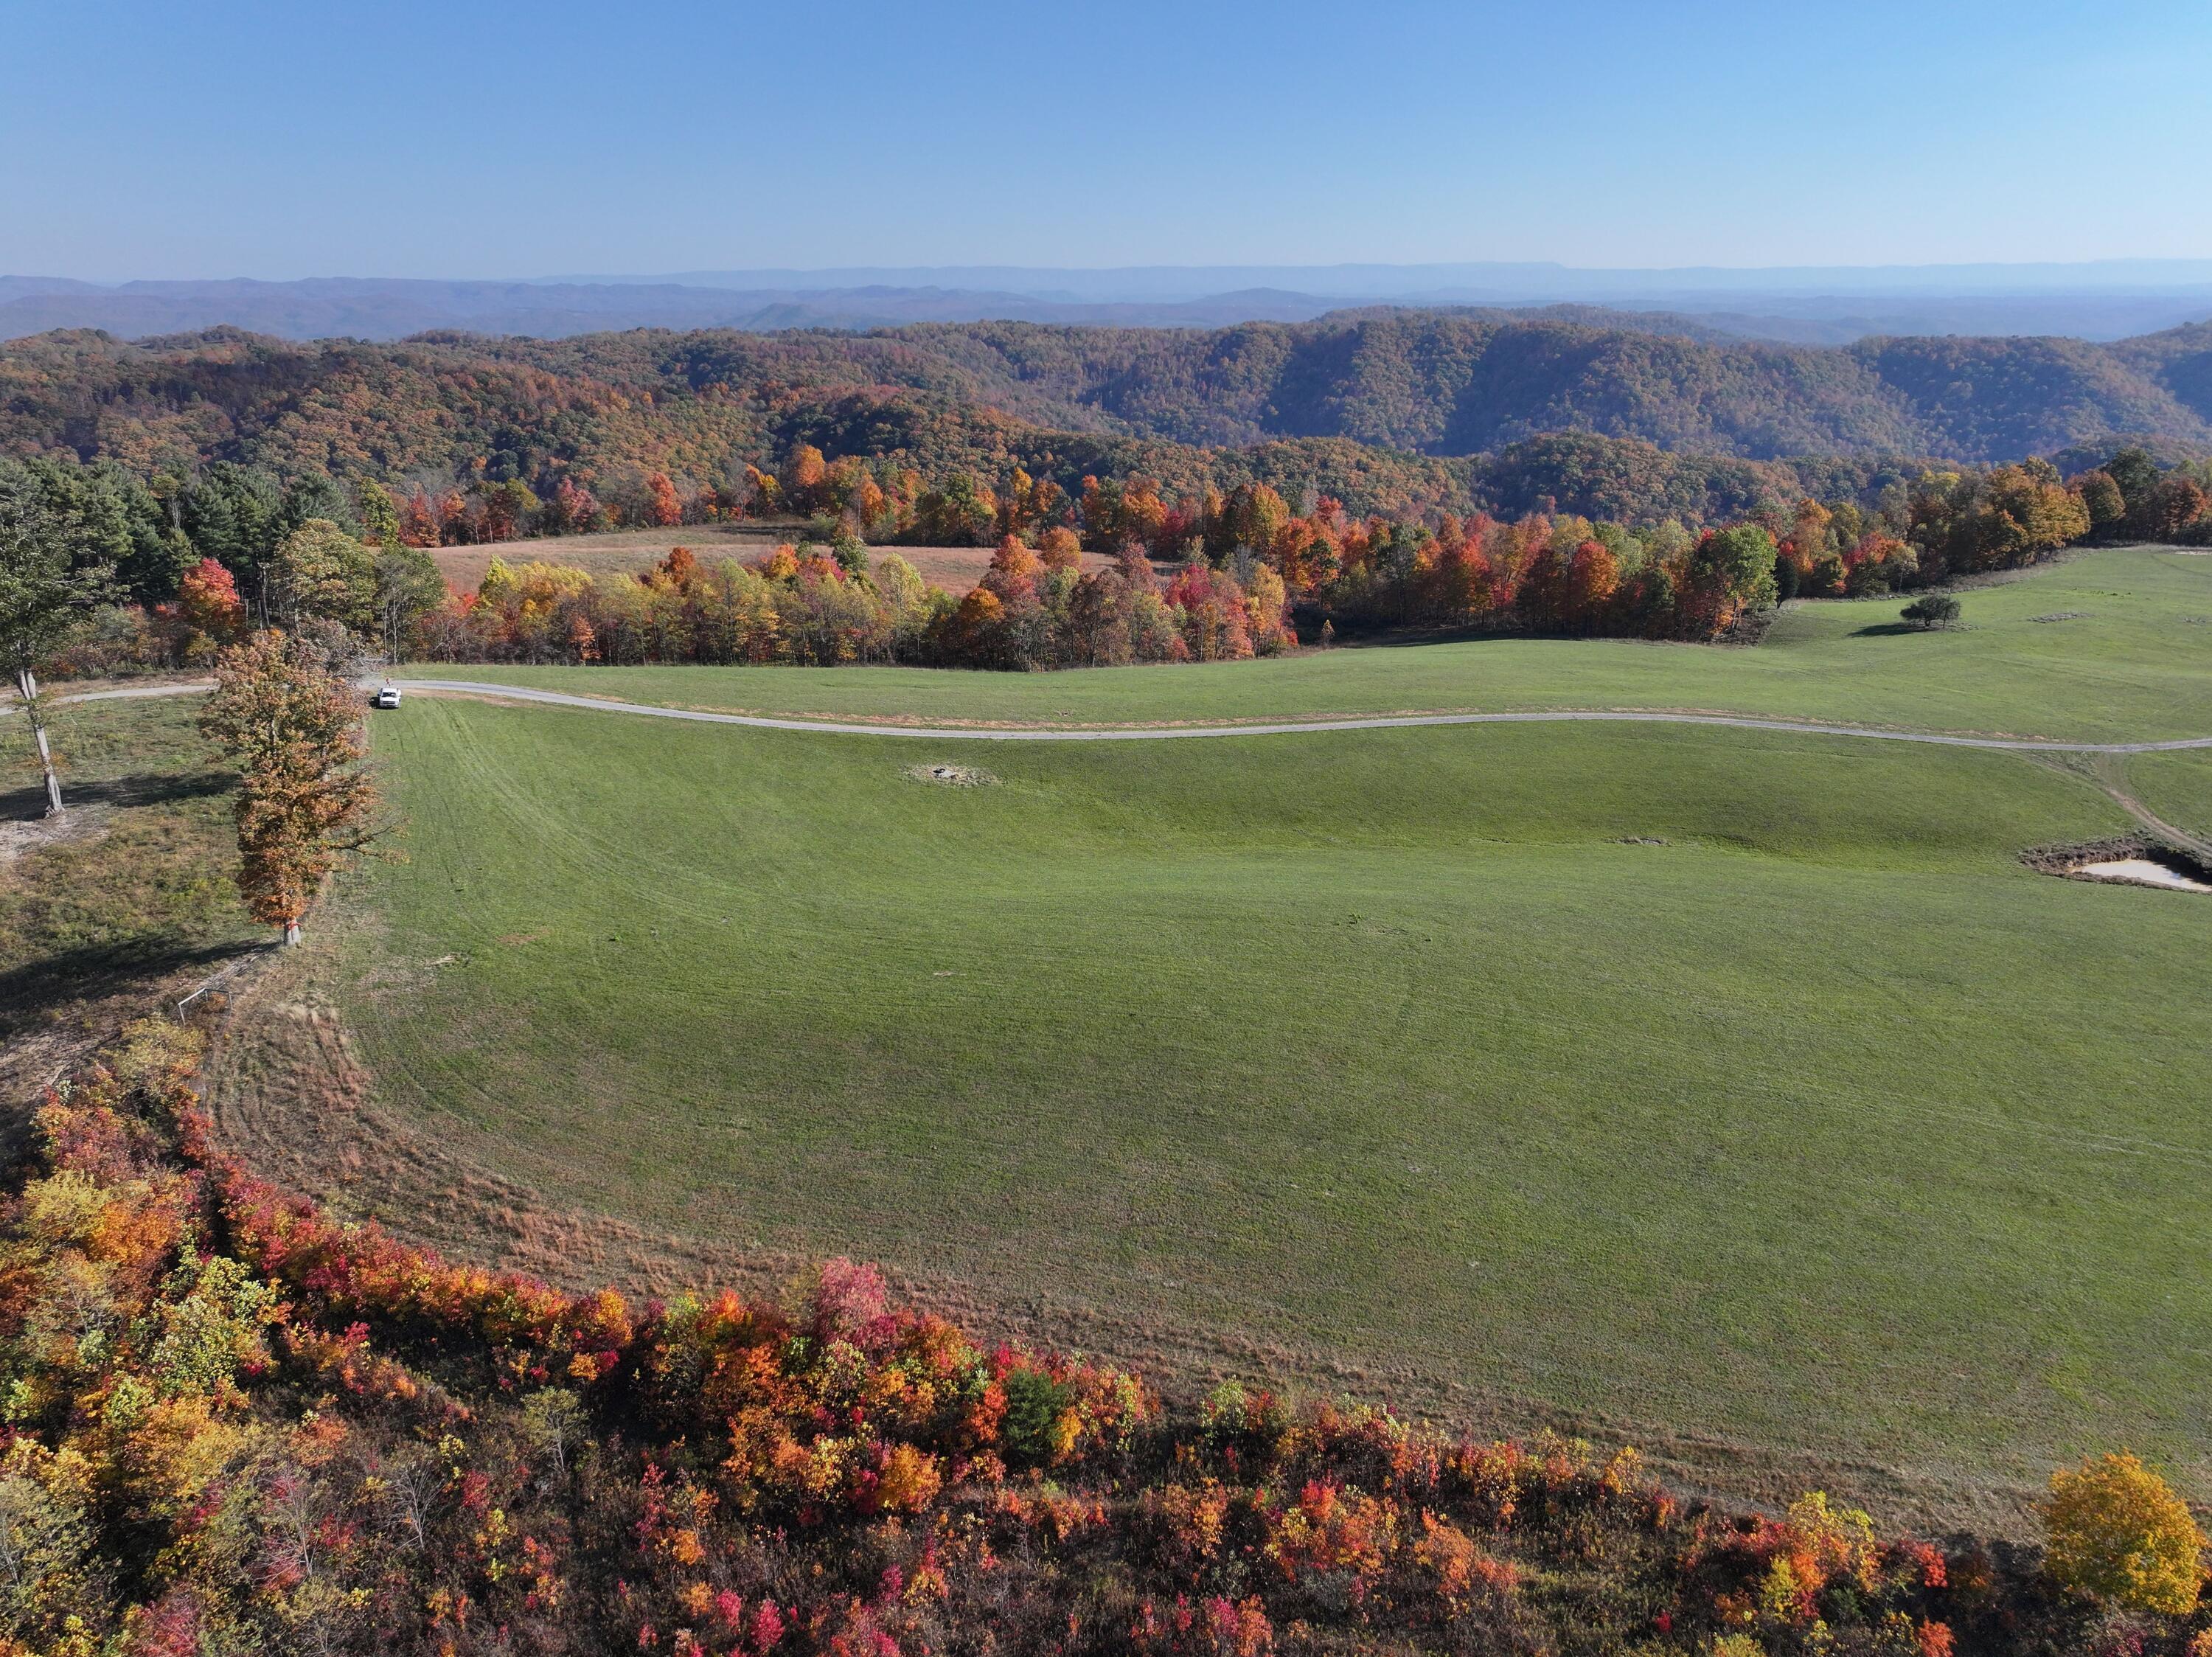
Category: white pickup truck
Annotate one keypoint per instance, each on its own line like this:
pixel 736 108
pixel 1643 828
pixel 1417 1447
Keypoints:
pixel 388 696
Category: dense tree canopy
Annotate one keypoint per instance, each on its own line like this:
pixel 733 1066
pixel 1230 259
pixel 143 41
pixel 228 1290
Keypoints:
pixel 610 410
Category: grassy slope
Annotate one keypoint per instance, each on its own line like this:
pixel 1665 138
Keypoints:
pixel 1826 1124
pixel 2176 786
pixel 2139 664
pixel 139 898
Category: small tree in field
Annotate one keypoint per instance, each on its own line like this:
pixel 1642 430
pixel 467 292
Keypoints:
pixel 294 729
pixel 2115 1531
pixel 1937 610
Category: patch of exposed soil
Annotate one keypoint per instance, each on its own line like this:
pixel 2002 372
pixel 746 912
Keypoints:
pixel 31 834
pixel 952 776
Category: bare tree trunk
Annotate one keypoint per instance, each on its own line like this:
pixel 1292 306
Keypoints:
pixel 29 686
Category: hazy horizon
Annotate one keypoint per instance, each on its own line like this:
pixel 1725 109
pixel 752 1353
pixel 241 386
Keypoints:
pixel 2118 273
pixel 2103 300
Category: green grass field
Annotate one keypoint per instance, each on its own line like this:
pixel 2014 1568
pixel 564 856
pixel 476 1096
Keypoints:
pixel 2176 786
pixel 1824 1126
pixel 97 924
pixel 2132 659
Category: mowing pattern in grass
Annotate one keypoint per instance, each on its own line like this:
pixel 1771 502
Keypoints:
pixel 2138 664
pixel 1822 1124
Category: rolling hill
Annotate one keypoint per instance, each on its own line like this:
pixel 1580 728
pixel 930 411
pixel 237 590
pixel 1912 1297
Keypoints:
pixel 1381 407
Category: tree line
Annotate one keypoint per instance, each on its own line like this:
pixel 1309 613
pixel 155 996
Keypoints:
pixel 1172 575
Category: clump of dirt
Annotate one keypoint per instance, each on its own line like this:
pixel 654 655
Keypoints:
pixel 1640 840
pixel 952 776
pixel 2125 859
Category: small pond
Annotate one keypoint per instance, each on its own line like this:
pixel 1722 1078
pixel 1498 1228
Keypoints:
pixel 2145 870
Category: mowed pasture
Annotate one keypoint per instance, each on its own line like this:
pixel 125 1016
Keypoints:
pixel 2177 786
pixel 626 551
pixel 2113 645
pixel 1705 1081
pixel 617 553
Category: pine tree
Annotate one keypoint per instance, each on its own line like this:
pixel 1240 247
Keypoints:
pixel 46 587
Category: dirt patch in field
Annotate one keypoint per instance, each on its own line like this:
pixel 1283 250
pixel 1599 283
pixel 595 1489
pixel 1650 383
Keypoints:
pixel 951 776
pixel 289 1095
pixel 33 833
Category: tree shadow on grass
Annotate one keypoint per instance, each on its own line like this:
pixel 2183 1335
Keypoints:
pixel 1891 629
pixel 86 971
pixel 149 788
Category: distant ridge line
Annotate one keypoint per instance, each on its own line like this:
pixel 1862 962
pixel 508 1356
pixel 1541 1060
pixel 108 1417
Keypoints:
pixel 1808 305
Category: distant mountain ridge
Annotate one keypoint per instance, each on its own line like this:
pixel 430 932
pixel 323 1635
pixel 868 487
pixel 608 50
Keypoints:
pixel 2096 302
pixel 349 307
pixel 1459 382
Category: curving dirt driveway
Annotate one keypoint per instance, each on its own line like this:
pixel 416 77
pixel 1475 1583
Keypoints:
pixel 1150 733
pixel 1158 733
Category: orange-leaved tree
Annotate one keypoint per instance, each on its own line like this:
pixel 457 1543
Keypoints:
pixel 294 729
pixel 208 602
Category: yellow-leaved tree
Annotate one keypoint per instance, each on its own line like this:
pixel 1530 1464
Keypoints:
pixel 2115 1530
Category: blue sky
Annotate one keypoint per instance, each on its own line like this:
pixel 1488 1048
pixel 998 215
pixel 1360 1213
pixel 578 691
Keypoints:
pixel 316 137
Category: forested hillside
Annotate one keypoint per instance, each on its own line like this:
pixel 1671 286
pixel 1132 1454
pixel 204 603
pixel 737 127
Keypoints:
pixel 1424 385
pixel 2180 359
pixel 1461 382
pixel 606 412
